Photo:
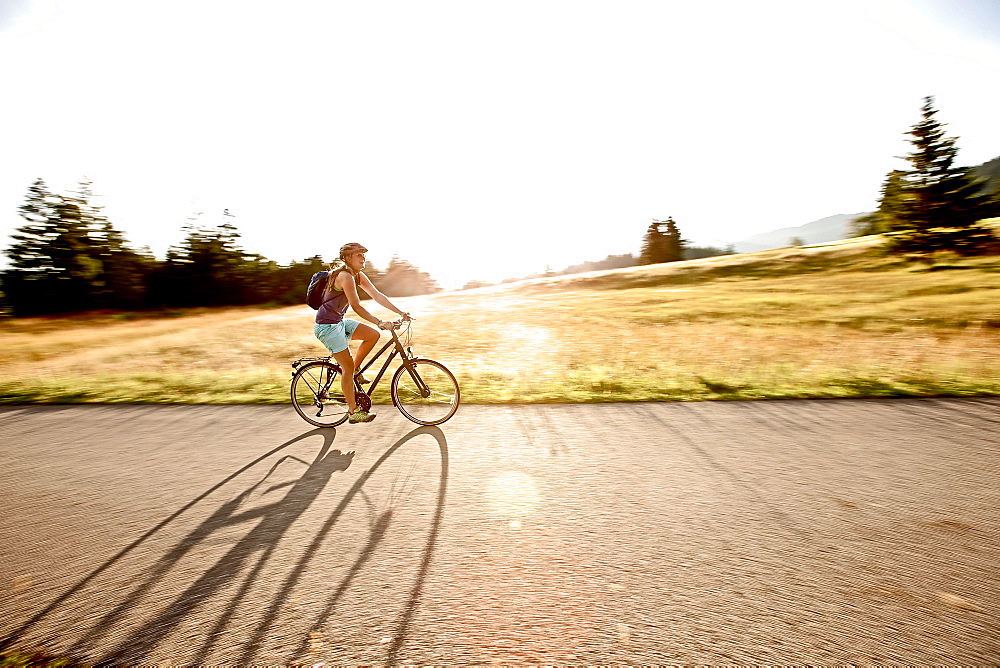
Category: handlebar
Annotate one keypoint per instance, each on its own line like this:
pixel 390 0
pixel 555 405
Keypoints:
pixel 395 324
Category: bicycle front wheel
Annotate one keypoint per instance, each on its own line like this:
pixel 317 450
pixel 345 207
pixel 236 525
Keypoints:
pixel 426 393
pixel 317 395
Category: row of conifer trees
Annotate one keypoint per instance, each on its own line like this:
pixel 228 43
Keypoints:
pixel 68 257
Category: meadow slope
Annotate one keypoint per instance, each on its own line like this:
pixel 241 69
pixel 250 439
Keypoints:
pixel 837 320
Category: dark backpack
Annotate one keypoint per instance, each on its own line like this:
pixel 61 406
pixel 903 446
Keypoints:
pixel 317 284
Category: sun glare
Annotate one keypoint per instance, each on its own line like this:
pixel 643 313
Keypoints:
pixel 513 495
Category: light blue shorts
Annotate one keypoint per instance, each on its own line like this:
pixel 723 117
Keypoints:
pixel 336 336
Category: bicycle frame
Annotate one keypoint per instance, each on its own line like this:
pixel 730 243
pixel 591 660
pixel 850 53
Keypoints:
pixel 405 355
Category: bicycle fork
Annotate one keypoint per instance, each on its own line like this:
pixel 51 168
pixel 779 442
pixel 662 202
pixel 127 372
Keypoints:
pixel 417 380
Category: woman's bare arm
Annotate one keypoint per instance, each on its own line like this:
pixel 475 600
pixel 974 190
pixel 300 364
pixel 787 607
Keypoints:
pixel 346 283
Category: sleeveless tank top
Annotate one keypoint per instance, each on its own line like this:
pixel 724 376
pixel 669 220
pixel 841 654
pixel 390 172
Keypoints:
pixel 332 311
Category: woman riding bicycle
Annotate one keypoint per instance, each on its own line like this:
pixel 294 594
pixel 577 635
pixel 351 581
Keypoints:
pixel 334 330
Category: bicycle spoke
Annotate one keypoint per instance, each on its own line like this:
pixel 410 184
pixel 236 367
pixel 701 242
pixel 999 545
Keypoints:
pixel 310 393
pixel 448 397
pixel 442 394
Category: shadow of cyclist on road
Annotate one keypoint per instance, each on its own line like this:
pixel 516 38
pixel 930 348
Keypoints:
pixel 126 624
pixel 249 555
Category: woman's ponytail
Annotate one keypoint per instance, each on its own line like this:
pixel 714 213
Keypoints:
pixel 335 268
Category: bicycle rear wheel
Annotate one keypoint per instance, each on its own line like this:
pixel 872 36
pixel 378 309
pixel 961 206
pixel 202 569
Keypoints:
pixel 317 395
pixel 429 395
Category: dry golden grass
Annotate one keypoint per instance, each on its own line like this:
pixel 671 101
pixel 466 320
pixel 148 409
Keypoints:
pixel 815 322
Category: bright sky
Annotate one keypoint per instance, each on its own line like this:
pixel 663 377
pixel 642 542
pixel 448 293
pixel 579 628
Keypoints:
pixel 482 139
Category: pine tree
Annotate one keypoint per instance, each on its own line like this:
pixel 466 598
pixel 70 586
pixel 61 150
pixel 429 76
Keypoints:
pixel 652 244
pixel 662 243
pixel 32 282
pixel 673 244
pixel 28 250
pixel 55 257
pixel 938 205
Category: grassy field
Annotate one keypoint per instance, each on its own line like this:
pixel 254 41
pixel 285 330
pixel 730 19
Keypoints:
pixel 839 320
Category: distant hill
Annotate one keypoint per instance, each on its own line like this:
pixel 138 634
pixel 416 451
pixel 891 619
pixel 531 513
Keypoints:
pixel 831 228
pixel 834 228
pixel 990 171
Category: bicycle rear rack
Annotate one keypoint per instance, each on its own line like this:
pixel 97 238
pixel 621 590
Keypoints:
pixel 303 360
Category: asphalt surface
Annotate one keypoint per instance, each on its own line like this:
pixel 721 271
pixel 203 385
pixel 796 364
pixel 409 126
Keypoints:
pixel 769 532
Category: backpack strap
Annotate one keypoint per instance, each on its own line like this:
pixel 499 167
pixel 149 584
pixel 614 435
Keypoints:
pixel 332 276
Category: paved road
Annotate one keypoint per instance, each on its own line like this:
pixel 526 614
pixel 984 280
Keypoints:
pixel 771 532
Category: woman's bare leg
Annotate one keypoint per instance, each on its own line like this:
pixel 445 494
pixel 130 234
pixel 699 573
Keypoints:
pixel 368 337
pixel 347 376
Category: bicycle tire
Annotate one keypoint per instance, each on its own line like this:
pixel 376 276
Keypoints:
pixel 434 407
pixel 308 384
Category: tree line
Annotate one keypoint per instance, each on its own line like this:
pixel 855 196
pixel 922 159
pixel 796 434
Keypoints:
pixel 662 242
pixel 69 257
pixel 654 247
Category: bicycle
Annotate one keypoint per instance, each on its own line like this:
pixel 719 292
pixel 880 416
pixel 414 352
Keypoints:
pixel 423 390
